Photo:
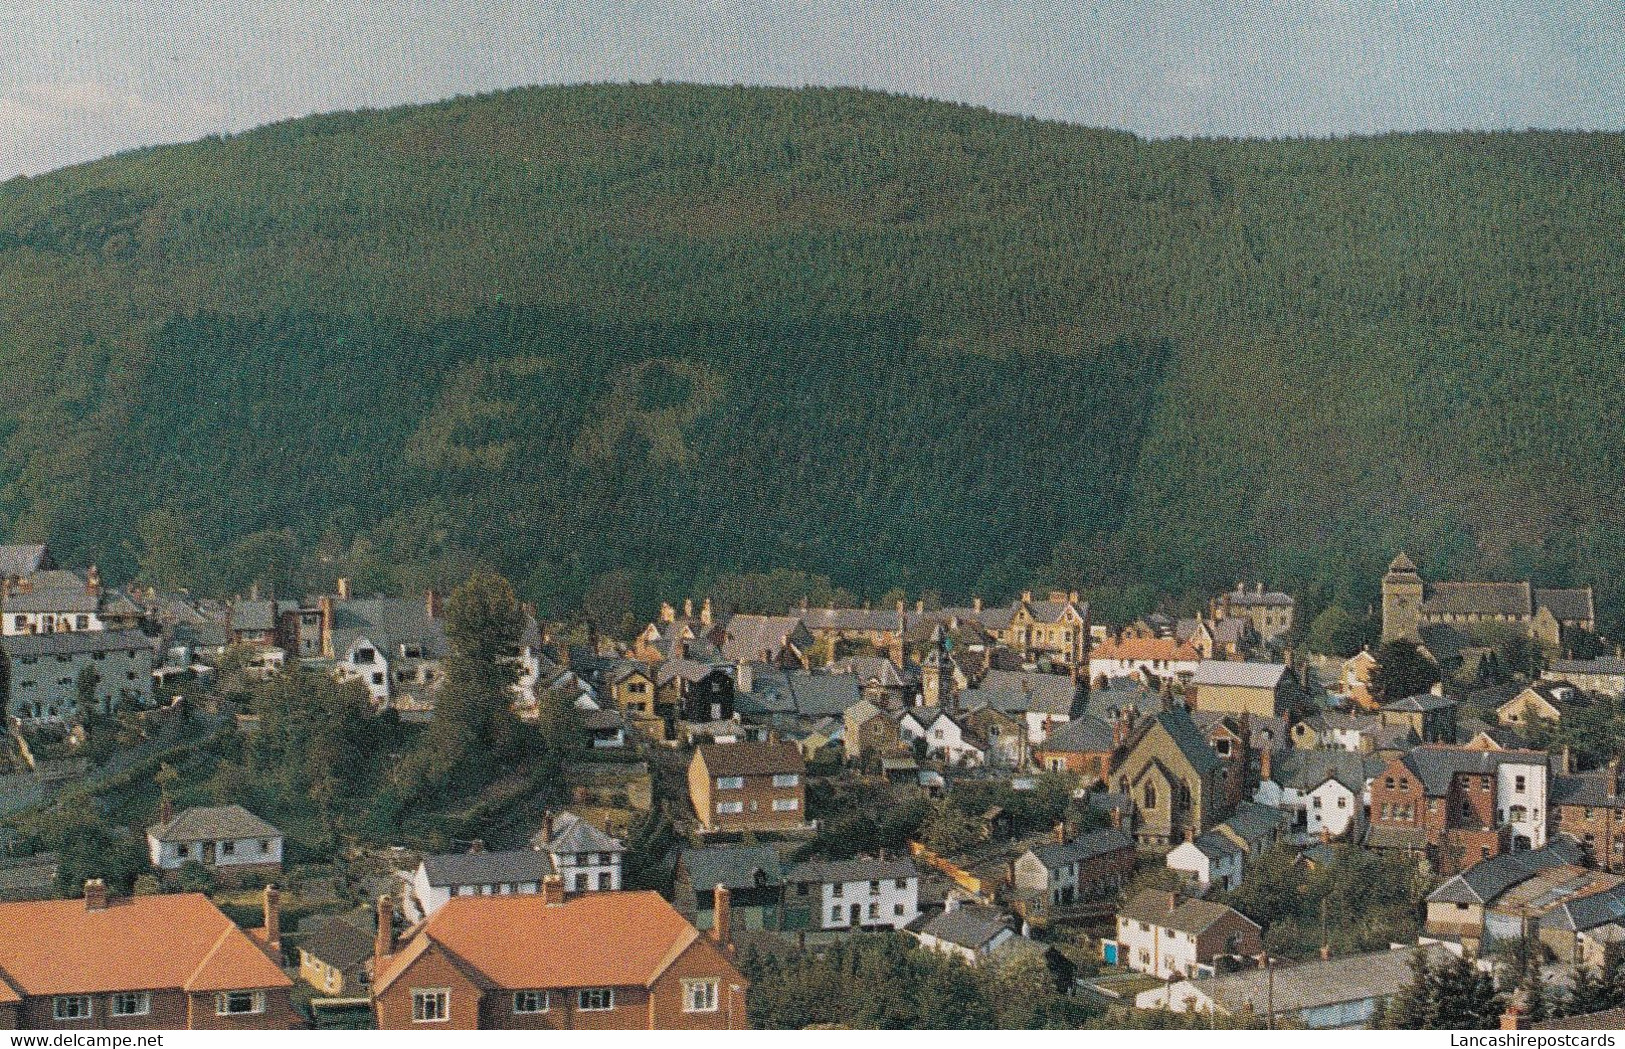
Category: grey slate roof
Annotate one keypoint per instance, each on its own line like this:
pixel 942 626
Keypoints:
pixel 1437 766
pixel 1567 604
pixel 74 643
pixel 734 866
pixel 254 615
pixel 1485 881
pixel 824 695
pixel 1216 846
pixel 571 833
pixel 19 559
pixel 1587 912
pixel 1304 770
pixel 1587 788
pixel 1239 675
pixel 1019 690
pixel 337 942
pixel 1315 984
pixel 1254 597
pixel 967 925
pixel 1421 703
pixel 1456 598
pixel 1252 822
pixel 1188 915
pixel 758 637
pixel 1605 665
pixel 487 868
pixel 1188 738
pixel 1082 735
pixel 389 622
pixel 216 823
pixel 1086 847
pixel 852 870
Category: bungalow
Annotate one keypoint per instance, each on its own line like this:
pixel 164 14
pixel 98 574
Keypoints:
pixel 969 932
pixel 225 837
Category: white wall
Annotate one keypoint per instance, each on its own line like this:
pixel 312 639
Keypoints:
pixel 885 903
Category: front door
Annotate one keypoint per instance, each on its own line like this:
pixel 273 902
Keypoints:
pixel 856 915
pixel 208 854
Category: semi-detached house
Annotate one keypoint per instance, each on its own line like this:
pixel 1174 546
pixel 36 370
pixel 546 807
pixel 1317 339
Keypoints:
pixel 748 786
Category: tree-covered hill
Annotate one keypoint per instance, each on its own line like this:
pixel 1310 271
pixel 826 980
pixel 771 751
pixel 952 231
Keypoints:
pixel 690 330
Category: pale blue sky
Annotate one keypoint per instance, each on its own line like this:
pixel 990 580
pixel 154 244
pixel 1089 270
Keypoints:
pixel 82 79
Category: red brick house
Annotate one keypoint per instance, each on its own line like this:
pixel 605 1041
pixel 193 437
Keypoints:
pixel 1459 806
pixel 599 961
pixel 146 963
pixel 748 786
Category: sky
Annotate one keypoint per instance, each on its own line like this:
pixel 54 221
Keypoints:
pixel 80 80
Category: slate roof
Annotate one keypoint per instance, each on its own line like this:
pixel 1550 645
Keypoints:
pixel 1304 770
pixel 1586 788
pixel 871 619
pixel 1086 847
pixel 852 870
pixel 1378 836
pixel 19 559
pixel 1082 735
pixel 571 833
pixel 1587 912
pixel 1485 881
pixel 1252 822
pixel 1239 675
pixel 76 642
pixel 734 866
pixel 1437 766
pixel 758 637
pixel 751 759
pixel 879 669
pixel 1014 690
pixel 259 616
pixel 690 670
pixel 1444 641
pixel 1242 596
pixel 487 868
pixel 1188 915
pixel 1419 704
pixel 1186 736
pixel 338 943
pixel 389 622
pixel 968 925
pixel 1605 665
pixel 216 823
pixel 1568 605
pixel 1216 846
pixel 821 695
pixel 1458 598
pixel 54 590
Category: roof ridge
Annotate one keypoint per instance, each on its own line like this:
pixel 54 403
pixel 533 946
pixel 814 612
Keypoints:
pixel 219 942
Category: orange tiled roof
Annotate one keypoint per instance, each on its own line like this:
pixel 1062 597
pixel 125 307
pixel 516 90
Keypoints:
pixel 138 944
pixel 1145 648
pixel 599 939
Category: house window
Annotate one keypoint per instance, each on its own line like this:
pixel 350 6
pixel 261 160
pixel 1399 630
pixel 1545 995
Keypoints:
pixel 81 622
pixel 786 780
pixel 530 1001
pixel 836 914
pixel 239 1003
pixel 265 845
pixel 132 1003
pixel 228 848
pixel 605 881
pixel 786 804
pixel 897 909
pixel 578 882
pixel 1518 784
pixel 431 1005
pixel 901 883
pixel 699 996
pixel 70 1007
pixel 729 808
pixel 730 783
pixel 596 999
pixel 837 890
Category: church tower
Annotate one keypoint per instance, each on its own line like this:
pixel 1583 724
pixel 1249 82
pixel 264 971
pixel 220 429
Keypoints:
pixel 937 672
pixel 1401 600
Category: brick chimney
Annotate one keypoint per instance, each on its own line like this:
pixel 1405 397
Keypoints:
pixel 919 606
pixel 1325 952
pixel 431 603
pixel 1264 763
pixel 547 828
pixel 93 581
pixel 273 917
pixel 383 945
pixel 1026 597
pixel 1060 833
pixel 1173 900
pixel 976 604
pixel 166 811
pixel 325 605
pixel 95 894
pixel 553 890
pixel 1116 816
pixel 721 914
pixel 688 608
pixel 1190 833
pixel 344 588
pixel 1516 1016
pixel 705 612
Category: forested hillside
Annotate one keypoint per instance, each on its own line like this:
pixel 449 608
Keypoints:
pixel 681 331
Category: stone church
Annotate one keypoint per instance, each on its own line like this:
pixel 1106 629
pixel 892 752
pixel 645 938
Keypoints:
pixel 1431 612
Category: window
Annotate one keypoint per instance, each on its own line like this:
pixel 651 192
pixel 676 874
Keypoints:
pixel 228 848
pixel 728 808
pixel 431 1006
pixel 242 1003
pixel 265 845
pixel 835 915
pixel 578 882
pixel 1388 783
pixel 730 783
pixel 596 999
pixel 786 804
pixel 897 909
pixel 530 1001
pixel 789 779
pixel 1484 782
pixel 70 1007
pixel 874 910
pixel 1518 783
pixel 699 996
pixel 605 881
pixel 132 1003
pixel 837 890
pixel 81 622
pixel 901 883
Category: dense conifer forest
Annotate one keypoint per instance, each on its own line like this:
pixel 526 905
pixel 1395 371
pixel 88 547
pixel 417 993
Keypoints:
pixel 624 340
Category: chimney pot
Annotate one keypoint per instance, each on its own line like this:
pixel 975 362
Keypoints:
pixel 95 894
pixel 1060 832
pixel 1116 817
pixel 1325 952
pixel 344 588
pixel 721 914
pixel 919 606
pixel 688 608
pixel 273 917
pixel 383 945
pixel 976 604
pixel 1026 596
